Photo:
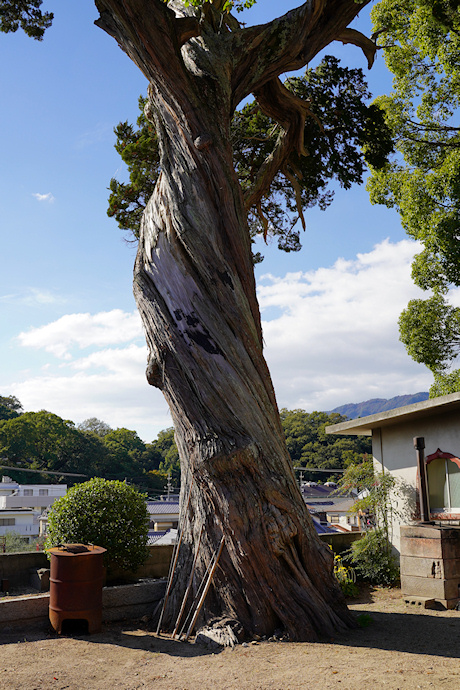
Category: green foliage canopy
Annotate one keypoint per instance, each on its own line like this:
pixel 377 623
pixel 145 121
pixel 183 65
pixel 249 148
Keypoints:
pixel 93 425
pixel 110 514
pixel 421 43
pixel 10 407
pixel 44 441
pixel 25 15
pixel 430 330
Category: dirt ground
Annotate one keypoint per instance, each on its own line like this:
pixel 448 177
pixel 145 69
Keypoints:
pixel 399 647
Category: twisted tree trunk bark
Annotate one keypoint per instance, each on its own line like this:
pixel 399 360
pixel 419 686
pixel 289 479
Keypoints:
pixel 195 289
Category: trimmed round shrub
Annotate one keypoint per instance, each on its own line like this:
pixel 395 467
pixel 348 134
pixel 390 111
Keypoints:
pixel 110 514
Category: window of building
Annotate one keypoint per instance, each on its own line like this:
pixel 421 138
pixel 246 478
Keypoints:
pixel 335 519
pixel 7 522
pixel 443 470
pixel 43 492
pixel 28 492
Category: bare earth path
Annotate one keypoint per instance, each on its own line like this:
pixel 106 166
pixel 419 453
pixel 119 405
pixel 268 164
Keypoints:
pixel 401 648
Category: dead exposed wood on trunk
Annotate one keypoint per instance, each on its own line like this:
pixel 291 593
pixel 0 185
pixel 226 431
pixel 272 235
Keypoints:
pixel 195 289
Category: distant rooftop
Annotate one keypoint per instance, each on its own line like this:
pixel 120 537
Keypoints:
pixel 163 507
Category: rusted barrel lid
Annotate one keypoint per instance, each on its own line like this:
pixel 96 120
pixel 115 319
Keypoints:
pixel 75 549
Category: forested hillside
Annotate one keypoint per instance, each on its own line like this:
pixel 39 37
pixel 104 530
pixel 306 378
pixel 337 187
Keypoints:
pixel 44 442
pixel 310 447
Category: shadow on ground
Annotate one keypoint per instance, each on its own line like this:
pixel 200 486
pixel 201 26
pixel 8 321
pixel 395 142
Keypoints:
pixel 423 633
pixel 405 632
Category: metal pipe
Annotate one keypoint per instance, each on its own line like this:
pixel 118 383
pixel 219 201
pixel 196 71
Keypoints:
pixel 419 445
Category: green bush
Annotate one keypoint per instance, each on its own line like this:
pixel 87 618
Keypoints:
pixel 373 560
pixel 110 514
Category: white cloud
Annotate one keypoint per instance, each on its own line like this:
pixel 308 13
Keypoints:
pixel 331 338
pixel 32 297
pixel 335 338
pixel 121 398
pixel 83 330
pixel 49 198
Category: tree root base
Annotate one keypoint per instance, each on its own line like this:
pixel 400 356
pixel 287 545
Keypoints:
pixel 225 632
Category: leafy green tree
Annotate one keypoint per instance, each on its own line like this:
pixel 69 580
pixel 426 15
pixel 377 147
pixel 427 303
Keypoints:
pixel 342 134
pixel 92 425
pixel 125 450
pixel 10 407
pixel 156 481
pixel 445 383
pixel 421 44
pixel 25 15
pixel 110 514
pixel 45 441
pixel 165 444
pixel 430 330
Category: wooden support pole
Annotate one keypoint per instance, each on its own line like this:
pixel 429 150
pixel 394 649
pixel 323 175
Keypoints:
pixel 172 568
pixel 205 591
pixel 189 586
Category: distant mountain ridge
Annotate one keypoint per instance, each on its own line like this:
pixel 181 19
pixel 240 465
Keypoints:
pixel 362 409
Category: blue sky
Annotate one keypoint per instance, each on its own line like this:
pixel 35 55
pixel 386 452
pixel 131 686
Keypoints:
pixel 71 339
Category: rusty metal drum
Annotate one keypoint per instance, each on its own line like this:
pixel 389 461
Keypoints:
pixel 76 579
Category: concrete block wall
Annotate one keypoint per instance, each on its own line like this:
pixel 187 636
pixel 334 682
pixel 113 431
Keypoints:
pixel 17 567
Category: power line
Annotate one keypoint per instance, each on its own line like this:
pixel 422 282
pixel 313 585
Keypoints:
pixel 60 474
pixel 316 469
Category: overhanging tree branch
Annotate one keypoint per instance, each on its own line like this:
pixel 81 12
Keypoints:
pixel 289 42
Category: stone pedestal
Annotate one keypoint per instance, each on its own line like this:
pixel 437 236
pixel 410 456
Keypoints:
pixel 430 563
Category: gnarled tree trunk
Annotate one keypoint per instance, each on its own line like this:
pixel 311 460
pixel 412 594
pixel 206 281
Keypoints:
pixel 194 286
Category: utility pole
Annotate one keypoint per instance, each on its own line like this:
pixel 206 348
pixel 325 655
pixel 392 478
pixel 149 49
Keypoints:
pixel 169 487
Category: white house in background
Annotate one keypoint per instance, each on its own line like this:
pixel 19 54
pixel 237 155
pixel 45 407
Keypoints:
pixel 438 422
pixel 26 502
pixel 23 521
pixel 36 496
pixel 329 508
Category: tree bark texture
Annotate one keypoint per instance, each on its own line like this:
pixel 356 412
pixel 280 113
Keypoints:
pixel 195 289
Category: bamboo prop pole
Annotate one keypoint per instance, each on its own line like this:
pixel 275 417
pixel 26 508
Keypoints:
pixel 189 586
pixel 173 563
pixel 203 596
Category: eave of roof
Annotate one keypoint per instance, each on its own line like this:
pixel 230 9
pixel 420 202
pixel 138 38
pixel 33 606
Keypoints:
pixel 363 426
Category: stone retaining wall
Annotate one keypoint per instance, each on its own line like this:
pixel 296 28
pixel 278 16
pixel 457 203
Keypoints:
pixel 118 603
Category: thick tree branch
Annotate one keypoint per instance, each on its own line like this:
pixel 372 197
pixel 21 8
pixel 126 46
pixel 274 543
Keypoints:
pixel 149 33
pixel 276 101
pixel 263 52
pixel 367 45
